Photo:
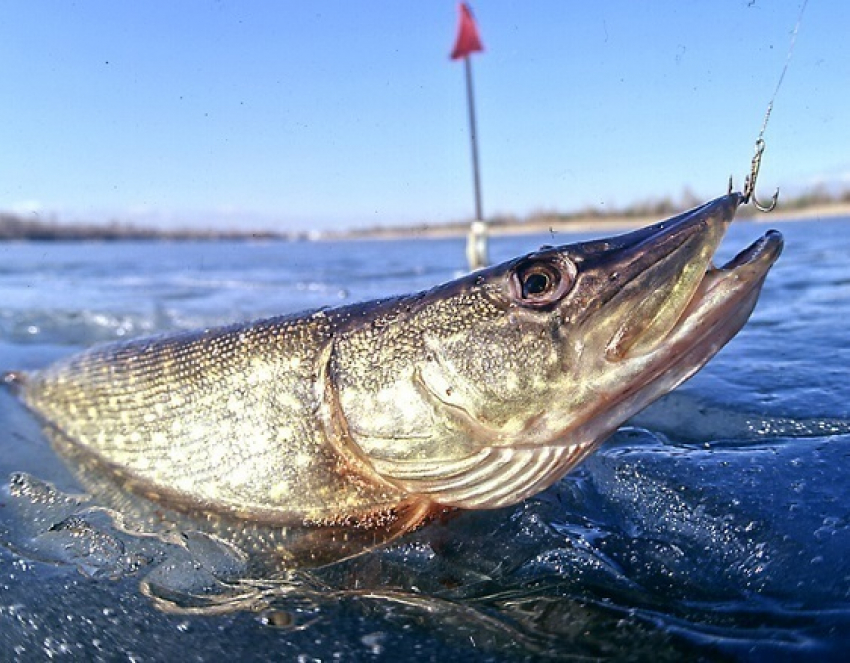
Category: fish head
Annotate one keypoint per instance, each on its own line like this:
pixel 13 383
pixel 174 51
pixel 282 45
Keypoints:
pixel 526 367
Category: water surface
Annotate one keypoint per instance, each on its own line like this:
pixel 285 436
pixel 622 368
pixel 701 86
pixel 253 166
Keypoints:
pixel 717 525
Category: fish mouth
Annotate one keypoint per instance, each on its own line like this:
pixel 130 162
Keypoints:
pixel 725 296
pixel 720 306
pixel 710 308
pixel 729 285
pixel 668 276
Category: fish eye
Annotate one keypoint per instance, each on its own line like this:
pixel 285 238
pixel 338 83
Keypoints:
pixel 539 282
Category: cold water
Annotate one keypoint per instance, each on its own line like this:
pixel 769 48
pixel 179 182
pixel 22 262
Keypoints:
pixel 716 525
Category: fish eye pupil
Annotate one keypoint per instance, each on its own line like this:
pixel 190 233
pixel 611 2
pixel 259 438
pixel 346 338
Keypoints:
pixel 536 284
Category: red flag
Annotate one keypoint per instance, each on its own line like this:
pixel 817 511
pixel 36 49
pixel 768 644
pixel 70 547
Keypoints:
pixel 468 40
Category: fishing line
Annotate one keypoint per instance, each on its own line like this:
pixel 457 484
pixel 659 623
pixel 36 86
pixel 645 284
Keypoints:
pixel 750 181
pixel 784 69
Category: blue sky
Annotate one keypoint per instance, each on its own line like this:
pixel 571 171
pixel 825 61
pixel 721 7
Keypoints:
pixel 337 113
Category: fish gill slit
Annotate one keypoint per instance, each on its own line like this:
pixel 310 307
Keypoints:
pixel 494 487
pixel 477 480
pixel 557 466
pixel 500 475
pixel 540 467
pixel 542 464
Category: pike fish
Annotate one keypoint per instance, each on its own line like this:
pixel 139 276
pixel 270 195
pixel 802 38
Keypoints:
pixel 475 394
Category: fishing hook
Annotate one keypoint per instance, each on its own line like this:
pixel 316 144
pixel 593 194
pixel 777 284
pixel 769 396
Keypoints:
pixel 750 182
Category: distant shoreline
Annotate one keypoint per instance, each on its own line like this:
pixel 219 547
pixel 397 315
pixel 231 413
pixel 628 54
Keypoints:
pixel 15 228
pixel 578 223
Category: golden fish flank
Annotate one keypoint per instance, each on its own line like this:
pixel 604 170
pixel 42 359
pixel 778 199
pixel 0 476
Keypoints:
pixel 475 394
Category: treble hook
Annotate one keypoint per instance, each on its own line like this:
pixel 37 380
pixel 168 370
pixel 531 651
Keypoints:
pixel 750 182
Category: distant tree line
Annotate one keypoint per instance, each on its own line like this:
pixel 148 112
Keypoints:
pixel 651 208
pixel 17 227
pixel 816 197
pixel 667 206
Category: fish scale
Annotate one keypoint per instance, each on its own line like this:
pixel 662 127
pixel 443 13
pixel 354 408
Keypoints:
pixel 221 399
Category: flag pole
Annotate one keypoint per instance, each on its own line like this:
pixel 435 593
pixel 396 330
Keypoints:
pixel 476 240
pixel 469 42
pixel 473 137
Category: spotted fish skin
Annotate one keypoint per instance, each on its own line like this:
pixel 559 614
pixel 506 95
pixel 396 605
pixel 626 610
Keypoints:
pixel 223 418
pixel 474 394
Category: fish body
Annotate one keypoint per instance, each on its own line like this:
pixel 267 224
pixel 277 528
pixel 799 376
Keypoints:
pixel 475 394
